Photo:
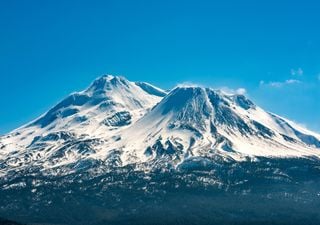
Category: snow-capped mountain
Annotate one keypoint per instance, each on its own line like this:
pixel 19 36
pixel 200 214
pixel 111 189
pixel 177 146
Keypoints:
pixel 117 122
pixel 124 152
pixel 78 125
pixel 195 121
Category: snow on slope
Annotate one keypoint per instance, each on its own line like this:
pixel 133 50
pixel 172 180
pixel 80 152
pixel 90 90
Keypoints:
pixel 195 121
pixel 84 120
pixel 119 122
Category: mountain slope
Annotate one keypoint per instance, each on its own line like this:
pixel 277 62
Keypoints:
pixel 124 152
pixel 194 121
pixel 115 123
pixel 78 125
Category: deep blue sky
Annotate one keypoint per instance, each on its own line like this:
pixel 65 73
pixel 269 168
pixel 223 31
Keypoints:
pixel 51 48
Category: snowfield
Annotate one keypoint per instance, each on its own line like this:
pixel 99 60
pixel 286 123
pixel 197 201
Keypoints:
pixel 118 122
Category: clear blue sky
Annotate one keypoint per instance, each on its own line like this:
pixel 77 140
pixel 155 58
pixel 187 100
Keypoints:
pixel 51 48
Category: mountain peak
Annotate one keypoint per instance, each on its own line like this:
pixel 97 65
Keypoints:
pixel 106 76
pixel 187 87
pixel 180 96
pixel 107 93
pixel 107 82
